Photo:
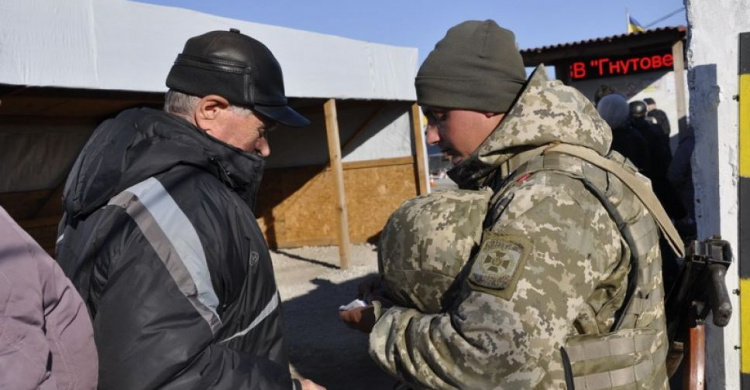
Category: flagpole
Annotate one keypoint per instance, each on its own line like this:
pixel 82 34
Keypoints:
pixel 627 20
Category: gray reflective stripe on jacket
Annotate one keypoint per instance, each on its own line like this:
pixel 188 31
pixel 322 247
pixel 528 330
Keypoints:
pixel 271 306
pixel 175 241
pixel 632 355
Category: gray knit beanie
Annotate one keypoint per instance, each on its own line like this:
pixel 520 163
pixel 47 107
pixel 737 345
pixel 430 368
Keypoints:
pixel 613 108
pixel 476 66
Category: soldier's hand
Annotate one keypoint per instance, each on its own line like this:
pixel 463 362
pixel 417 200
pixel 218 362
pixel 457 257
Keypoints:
pixel 373 289
pixel 360 318
pixel 310 385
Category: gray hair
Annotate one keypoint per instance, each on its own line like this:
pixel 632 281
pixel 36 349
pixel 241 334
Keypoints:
pixel 179 103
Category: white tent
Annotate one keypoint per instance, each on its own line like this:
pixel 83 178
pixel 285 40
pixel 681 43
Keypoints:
pixel 124 45
pixel 67 65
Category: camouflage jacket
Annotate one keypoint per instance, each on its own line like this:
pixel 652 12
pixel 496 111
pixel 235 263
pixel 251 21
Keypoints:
pixel 552 267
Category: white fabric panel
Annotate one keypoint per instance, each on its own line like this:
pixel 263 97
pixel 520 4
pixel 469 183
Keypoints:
pixel 45 42
pixel 123 45
pixel 390 141
pixel 387 136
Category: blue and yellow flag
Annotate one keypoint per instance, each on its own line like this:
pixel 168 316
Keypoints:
pixel 634 26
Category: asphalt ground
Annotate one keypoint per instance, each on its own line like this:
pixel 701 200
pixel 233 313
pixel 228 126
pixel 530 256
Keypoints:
pixel 312 288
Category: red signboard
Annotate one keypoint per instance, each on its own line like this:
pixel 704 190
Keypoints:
pixel 619 66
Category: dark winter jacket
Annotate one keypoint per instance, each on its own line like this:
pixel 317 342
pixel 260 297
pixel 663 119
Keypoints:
pixel 661 120
pixel 661 158
pixel 631 144
pixel 160 239
pixel 46 340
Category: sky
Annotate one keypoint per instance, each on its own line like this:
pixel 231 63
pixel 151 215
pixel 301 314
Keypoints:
pixel 421 23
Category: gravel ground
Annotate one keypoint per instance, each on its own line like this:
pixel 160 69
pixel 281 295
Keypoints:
pixel 312 288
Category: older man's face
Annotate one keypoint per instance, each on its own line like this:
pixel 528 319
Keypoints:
pixel 246 131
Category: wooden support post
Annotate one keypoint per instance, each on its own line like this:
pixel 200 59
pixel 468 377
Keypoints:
pixel 678 57
pixel 337 171
pixel 694 364
pixel 419 147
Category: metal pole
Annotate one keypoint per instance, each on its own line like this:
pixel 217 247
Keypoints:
pixel 678 58
pixel 744 204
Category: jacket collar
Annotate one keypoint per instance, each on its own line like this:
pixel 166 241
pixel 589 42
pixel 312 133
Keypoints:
pixel 142 142
pixel 544 112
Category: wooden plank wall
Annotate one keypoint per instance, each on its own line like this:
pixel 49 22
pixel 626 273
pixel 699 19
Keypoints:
pixel 297 206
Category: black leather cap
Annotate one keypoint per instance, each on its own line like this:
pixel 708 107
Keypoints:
pixel 238 68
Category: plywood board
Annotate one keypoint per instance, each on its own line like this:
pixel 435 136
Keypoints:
pixel 296 206
pixel 301 202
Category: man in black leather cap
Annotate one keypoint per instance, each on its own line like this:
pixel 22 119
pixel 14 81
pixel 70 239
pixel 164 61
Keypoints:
pixel 159 235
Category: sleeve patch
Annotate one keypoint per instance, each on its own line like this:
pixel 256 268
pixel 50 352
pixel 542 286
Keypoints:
pixel 499 264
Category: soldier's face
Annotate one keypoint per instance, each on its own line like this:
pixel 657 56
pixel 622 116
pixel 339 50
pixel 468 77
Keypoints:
pixel 458 133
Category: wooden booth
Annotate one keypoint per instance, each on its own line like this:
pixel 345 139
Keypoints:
pixel 332 183
pixel 637 65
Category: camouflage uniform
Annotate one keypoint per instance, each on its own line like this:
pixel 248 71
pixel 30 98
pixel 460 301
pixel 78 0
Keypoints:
pixel 551 272
pixel 425 244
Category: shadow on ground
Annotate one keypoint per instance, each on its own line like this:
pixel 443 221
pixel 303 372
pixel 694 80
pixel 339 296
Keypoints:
pixel 322 348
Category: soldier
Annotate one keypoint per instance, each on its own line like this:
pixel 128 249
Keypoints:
pixel 557 294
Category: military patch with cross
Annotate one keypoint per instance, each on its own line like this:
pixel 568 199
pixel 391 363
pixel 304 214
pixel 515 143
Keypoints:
pixel 499 263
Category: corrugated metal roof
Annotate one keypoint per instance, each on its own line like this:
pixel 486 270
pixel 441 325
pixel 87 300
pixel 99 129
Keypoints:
pixel 611 45
pixel 608 39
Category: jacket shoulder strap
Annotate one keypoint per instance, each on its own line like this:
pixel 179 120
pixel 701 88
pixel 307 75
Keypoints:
pixel 643 192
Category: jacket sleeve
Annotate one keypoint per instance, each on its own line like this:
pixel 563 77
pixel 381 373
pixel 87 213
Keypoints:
pixel 530 280
pixel 46 338
pixel 150 327
pixel 68 330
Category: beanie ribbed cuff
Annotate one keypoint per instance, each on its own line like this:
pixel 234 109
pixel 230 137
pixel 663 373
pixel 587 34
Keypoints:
pixel 487 95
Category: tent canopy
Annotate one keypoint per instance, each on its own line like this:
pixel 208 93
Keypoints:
pixel 129 46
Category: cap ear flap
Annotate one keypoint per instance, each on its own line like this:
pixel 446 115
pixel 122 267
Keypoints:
pixel 248 84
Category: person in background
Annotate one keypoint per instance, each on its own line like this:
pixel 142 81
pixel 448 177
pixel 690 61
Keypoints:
pixel 680 175
pixel 627 140
pixel 601 92
pixel 46 339
pixel 159 235
pixel 659 116
pixel 661 158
